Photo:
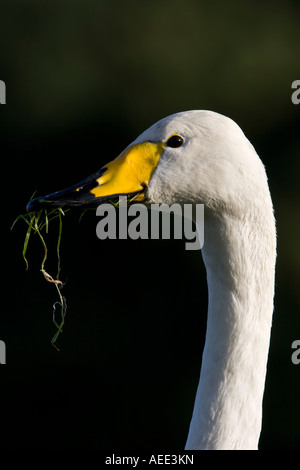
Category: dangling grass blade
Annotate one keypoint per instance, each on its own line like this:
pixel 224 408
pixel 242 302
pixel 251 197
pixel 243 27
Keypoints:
pixel 36 222
pixel 27 236
pixel 61 213
pixel 63 311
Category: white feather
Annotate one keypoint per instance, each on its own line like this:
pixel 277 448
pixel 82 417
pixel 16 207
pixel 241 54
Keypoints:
pixel 219 167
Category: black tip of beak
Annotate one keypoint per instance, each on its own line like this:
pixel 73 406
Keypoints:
pixel 33 205
pixel 74 196
pixel 66 198
pixel 43 202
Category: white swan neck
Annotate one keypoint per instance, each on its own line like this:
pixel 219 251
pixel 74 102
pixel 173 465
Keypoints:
pixel 239 257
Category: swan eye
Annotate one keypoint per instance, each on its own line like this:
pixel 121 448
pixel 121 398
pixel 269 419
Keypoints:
pixel 175 141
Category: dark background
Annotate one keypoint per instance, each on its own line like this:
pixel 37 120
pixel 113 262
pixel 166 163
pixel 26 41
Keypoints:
pixel 83 79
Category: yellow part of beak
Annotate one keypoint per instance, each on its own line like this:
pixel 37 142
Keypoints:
pixel 130 172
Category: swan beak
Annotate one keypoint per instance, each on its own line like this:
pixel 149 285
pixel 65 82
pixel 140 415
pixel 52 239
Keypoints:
pixel 129 174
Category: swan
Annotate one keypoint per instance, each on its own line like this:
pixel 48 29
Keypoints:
pixel 204 157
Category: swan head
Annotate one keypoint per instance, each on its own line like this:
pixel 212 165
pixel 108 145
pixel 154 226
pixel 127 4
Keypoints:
pixel 188 157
